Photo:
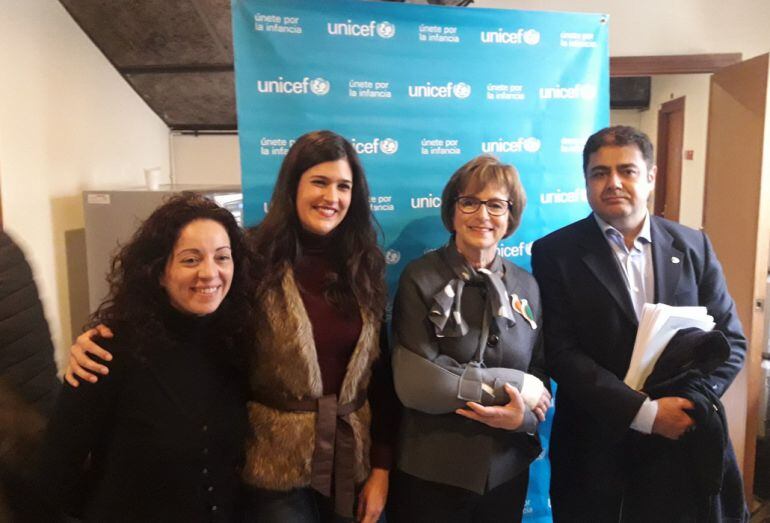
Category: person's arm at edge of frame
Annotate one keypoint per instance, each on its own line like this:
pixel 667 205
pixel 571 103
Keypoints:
pixel 79 420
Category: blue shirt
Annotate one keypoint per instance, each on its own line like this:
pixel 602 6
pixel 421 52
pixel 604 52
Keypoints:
pixel 637 268
pixel 635 263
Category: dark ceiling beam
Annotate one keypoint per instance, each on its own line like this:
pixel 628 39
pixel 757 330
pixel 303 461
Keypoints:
pixel 175 69
pixel 671 64
pixel 208 132
pixel 194 128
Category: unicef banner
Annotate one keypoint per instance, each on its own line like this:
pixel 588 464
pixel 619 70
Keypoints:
pixel 420 90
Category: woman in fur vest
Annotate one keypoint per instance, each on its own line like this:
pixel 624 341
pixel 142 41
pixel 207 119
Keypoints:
pixel 323 411
pixel 323 406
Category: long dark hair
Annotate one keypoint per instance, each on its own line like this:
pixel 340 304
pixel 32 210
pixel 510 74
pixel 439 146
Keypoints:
pixel 137 303
pixel 359 263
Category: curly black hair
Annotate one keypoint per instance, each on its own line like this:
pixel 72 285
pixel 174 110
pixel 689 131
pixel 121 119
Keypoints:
pixel 137 303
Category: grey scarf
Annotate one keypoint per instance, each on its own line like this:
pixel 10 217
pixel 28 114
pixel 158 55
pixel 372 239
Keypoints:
pixel 446 313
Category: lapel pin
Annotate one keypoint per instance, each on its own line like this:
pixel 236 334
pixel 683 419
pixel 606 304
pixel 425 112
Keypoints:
pixel 521 306
pixel 674 259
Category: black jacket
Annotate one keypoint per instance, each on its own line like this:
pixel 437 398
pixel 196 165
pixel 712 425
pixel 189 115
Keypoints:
pixel 165 432
pixel 26 353
pixel 694 478
pixel 28 385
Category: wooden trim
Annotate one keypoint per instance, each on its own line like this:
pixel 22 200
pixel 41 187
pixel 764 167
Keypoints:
pixel 661 182
pixel 672 106
pixel 671 64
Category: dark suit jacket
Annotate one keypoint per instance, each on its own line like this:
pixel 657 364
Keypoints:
pixel 590 326
pixel 165 435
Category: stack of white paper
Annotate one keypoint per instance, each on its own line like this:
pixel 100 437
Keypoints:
pixel 657 326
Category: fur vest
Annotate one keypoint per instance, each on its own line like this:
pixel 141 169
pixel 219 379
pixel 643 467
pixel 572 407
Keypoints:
pixel 285 367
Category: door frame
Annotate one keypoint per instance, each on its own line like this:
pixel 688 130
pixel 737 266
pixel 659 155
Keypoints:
pixel 750 305
pixel 661 178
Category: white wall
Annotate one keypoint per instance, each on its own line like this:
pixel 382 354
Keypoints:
pixel 669 27
pixel 206 159
pixel 695 89
pixel 68 122
pixel 631 117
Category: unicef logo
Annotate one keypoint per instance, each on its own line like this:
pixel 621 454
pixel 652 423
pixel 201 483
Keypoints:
pixel 532 37
pixel 386 30
pixel 388 146
pixel 461 90
pixel 531 145
pixel 587 91
pixel 319 86
pixel 392 256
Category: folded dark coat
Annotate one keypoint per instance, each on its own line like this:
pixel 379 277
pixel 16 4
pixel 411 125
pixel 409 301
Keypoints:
pixel 695 478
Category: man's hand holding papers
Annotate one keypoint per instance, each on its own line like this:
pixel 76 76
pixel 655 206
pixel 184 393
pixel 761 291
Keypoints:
pixel 658 324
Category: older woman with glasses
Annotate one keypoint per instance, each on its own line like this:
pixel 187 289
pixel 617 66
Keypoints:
pixel 467 346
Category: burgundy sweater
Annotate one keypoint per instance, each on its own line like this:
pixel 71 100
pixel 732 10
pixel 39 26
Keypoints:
pixel 336 333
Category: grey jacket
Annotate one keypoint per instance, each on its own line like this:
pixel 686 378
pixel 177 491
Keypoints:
pixel 435 443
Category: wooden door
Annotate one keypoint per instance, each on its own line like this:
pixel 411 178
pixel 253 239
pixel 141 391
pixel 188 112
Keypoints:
pixel 668 184
pixel 736 215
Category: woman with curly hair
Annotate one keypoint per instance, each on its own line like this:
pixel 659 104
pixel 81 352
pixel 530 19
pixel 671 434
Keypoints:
pixel 163 432
pixel 323 410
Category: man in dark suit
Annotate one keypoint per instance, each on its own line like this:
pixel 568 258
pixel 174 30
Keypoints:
pixel 595 275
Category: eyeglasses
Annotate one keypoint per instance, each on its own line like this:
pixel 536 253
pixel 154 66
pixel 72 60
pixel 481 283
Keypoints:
pixel 495 207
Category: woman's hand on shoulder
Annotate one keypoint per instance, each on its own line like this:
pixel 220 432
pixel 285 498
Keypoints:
pixel 81 363
pixel 373 495
pixel 509 416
